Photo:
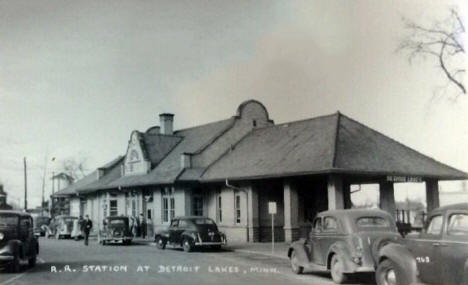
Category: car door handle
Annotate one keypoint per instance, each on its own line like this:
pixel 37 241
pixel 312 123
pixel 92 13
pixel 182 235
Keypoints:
pixel 439 244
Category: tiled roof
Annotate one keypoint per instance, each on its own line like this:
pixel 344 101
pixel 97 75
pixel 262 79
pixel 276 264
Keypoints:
pixel 111 173
pixel 90 179
pixel 71 189
pixel 168 169
pixel 157 146
pixel 328 144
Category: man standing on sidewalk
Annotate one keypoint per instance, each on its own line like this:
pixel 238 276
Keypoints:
pixel 87 226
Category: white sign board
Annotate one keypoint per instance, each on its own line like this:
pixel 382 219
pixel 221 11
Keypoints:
pixel 271 208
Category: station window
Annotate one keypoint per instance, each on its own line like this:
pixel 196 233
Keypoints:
pixel 172 210
pixel 238 209
pixel 165 209
pixel 113 208
pixel 220 209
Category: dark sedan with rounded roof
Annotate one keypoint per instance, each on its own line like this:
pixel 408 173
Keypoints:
pixel 190 232
pixel 344 242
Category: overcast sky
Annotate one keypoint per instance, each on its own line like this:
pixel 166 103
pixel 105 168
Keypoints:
pixel 76 77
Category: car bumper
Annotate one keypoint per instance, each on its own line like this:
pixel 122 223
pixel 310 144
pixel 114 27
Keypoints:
pixel 363 269
pixel 112 239
pixel 6 258
pixel 209 243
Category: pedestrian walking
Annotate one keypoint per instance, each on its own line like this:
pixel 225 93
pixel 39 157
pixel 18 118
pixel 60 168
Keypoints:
pixel 138 227
pixel 133 226
pixel 142 226
pixel 87 226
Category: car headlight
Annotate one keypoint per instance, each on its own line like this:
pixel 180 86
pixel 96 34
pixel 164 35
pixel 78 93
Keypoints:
pixel 2 236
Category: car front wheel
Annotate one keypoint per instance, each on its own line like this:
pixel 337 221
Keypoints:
pixel 387 274
pixel 296 268
pixel 336 270
pixel 187 245
pixel 160 243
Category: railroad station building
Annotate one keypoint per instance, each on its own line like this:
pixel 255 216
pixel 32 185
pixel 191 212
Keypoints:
pixel 230 170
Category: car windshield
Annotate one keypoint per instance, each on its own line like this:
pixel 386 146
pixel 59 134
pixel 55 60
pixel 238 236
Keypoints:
pixel 7 221
pixel 203 221
pixel 372 222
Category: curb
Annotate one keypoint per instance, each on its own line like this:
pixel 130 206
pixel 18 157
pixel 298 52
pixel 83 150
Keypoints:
pixel 260 253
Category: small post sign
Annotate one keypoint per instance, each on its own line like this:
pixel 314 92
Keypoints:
pixel 272 212
pixel 272 208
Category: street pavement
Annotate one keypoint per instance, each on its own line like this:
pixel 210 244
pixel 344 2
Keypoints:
pixel 70 262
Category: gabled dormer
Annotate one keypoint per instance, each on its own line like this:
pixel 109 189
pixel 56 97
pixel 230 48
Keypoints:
pixel 136 160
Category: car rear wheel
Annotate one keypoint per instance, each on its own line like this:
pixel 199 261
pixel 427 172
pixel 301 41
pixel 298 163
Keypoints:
pixel 216 247
pixel 296 268
pixel 387 273
pixel 32 261
pixel 336 270
pixel 187 245
pixel 15 266
pixel 160 243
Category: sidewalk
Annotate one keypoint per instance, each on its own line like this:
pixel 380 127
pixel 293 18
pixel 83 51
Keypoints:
pixel 263 248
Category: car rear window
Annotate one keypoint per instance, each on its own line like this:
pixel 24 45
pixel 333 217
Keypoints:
pixel 458 225
pixel 117 222
pixel 8 221
pixel 372 222
pixel 203 221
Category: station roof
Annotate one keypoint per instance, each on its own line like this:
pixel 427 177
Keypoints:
pixel 327 144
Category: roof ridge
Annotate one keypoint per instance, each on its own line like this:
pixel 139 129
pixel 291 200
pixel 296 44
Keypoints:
pixel 202 125
pixel 216 137
pixel 297 121
pixel 233 146
pixel 335 139
pixel 403 145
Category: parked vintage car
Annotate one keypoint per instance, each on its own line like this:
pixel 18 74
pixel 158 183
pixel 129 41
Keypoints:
pixel 344 242
pixel 40 225
pixel 437 255
pixel 62 226
pixel 17 240
pixel 116 230
pixel 190 232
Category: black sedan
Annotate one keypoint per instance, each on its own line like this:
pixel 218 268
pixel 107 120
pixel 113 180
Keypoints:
pixel 190 232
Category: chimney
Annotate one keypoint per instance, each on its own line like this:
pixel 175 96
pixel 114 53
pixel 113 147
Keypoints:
pixel 185 160
pixel 166 122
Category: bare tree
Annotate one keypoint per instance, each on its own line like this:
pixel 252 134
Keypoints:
pixel 441 42
pixel 74 167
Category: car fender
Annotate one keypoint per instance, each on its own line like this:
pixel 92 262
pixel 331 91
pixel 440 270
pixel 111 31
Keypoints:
pixel 163 234
pixel 342 250
pixel 403 259
pixel 12 247
pixel 189 234
pixel 300 248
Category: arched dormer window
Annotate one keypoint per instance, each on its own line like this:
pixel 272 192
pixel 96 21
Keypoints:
pixel 134 156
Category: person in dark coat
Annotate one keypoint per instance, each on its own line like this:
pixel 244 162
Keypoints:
pixel 87 226
pixel 142 226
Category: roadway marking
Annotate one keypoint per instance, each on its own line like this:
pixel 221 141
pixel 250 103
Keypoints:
pixel 14 278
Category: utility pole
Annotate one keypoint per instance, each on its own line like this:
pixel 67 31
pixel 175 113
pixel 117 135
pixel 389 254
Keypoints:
pixel 25 185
